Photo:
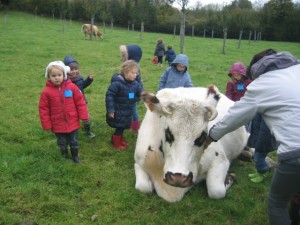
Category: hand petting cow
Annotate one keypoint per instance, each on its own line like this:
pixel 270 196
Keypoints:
pixel 170 154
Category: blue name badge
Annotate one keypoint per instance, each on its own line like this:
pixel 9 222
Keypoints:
pixel 68 93
pixel 131 95
pixel 240 87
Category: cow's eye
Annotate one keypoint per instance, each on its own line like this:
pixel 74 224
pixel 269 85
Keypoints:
pixel 200 140
pixel 169 136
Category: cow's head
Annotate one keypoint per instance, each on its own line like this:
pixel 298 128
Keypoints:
pixel 185 117
pixel 100 34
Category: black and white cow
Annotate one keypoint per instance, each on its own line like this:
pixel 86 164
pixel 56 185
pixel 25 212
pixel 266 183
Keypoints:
pixel 169 154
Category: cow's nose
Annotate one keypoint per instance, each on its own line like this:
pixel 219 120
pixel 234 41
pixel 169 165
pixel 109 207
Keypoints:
pixel 179 180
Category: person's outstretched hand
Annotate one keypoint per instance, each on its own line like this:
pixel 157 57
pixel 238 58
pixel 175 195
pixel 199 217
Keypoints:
pixel 207 142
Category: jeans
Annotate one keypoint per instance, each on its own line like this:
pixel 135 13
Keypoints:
pixel 135 116
pixel 67 139
pixel 260 162
pixel 262 140
pixel 285 184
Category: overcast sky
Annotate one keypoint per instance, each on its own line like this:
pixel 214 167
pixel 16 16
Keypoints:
pixel 205 2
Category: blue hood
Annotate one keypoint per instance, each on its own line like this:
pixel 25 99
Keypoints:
pixel 181 59
pixel 69 59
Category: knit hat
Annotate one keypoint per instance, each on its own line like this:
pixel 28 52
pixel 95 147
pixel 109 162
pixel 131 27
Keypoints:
pixel 131 52
pixel 238 68
pixel 69 59
pixel 60 64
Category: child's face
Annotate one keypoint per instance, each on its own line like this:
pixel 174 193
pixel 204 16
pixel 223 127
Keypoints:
pixel 131 75
pixel 56 76
pixel 73 70
pixel 236 76
pixel 180 67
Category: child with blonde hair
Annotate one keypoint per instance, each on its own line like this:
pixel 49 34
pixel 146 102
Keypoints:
pixel 123 92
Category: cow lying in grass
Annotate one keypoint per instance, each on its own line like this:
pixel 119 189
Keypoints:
pixel 86 29
pixel 169 154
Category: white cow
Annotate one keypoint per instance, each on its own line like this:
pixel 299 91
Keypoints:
pixel 169 154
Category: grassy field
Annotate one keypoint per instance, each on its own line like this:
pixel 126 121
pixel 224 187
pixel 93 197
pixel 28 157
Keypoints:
pixel 37 184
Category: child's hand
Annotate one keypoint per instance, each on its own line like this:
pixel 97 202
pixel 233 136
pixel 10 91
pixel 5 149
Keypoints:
pixel 111 115
pixel 91 76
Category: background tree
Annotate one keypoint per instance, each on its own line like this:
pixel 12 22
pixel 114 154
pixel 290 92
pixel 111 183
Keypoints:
pixel 276 17
pixel 92 7
pixel 277 20
pixel 182 4
pixel 5 4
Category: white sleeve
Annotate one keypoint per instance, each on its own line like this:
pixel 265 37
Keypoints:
pixel 238 115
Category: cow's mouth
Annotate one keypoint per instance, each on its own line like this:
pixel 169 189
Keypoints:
pixel 179 180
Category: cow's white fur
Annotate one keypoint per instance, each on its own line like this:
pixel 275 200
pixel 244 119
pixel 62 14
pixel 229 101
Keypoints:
pixel 187 117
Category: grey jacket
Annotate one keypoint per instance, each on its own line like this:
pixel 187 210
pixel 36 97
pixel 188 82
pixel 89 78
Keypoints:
pixel 274 94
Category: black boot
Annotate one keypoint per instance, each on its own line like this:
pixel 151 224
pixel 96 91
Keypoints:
pixel 64 152
pixel 87 128
pixel 294 209
pixel 74 152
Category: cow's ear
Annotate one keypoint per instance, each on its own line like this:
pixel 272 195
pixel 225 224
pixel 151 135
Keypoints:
pixel 160 109
pixel 153 103
pixel 211 113
pixel 149 99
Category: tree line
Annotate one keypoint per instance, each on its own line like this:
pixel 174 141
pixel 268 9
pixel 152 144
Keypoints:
pixel 276 20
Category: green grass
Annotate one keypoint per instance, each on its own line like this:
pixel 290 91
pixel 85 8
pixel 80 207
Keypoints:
pixel 37 184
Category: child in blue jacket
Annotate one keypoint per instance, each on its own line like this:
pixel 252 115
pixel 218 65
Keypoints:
pixel 75 76
pixel 170 55
pixel 123 92
pixel 176 75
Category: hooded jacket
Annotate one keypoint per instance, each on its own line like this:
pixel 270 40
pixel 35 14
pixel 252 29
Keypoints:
pixel 172 78
pixel 170 55
pixel 235 89
pixel 59 113
pixel 274 94
pixel 78 79
pixel 132 52
pixel 118 101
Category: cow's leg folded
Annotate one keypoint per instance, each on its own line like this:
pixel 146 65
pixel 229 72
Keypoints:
pixel 143 182
pixel 215 163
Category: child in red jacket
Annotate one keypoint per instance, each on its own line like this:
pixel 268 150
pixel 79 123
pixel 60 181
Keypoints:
pixel 61 107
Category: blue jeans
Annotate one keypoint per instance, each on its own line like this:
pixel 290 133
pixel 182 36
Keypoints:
pixel 135 116
pixel 262 140
pixel 260 162
pixel 285 184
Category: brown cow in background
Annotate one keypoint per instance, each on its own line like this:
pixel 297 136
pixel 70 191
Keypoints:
pixel 86 29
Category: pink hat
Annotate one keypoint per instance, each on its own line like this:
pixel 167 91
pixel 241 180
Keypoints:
pixel 238 68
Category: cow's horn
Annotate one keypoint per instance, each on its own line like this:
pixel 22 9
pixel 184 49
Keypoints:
pixel 166 111
pixel 213 112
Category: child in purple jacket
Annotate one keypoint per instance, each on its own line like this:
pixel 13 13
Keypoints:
pixel 237 86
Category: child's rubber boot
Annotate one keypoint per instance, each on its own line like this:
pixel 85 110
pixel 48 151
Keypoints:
pixel 74 152
pixel 252 175
pixel 64 153
pixel 88 131
pixel 135 126
pixel 117 139
pixel 258 178
pixel 123 142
